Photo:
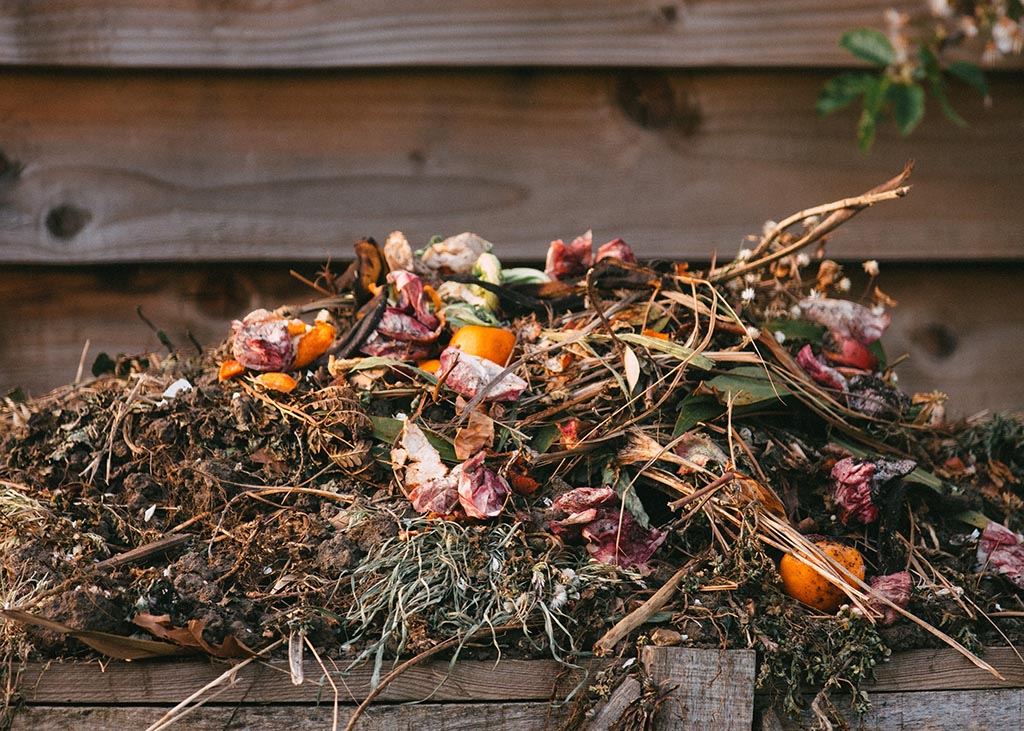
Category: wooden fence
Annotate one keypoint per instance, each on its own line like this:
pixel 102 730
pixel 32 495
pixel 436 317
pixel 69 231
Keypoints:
pixel 180 158
pixel 938 690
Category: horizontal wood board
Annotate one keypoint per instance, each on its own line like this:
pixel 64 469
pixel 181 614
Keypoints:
pixel 954 710
pixel 204 167
pixel 168 682
pixel 156 683
pixel 934 689
pixel 361 33
pixel 960 325
pixel 436 717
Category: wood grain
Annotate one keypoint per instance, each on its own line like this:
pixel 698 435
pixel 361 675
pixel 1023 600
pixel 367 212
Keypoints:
pixel 960 325
pixel 962 328
pixel 361 33
pixel 713 690
pixel 170 682
pixel 955 710
pixel 475 717
pixel 944 669
pixel 152 166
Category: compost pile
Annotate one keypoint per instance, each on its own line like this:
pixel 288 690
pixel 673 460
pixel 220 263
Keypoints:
pixel 442 451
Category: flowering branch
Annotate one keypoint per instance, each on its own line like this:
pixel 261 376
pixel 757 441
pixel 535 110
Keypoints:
pixel 911 60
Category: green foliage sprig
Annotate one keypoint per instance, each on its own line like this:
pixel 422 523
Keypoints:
pixel 909 62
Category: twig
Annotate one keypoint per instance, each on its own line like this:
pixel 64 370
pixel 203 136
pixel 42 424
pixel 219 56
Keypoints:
pixel 840 211
pixel 142 553
pixel 645 611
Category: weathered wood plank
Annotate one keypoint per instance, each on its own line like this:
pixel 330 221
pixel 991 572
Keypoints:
pixel 713 690
pixel 451 717
pixel 155 166
pixel 960 326
pixel 455 32
pixel 944 669
pixel 954 710
pixel 170 682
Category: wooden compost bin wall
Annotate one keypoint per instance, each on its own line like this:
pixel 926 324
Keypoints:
pixel 938 690
pixel 179 158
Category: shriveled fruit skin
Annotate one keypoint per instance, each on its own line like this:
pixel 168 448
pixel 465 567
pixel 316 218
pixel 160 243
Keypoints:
pixel 806 585
pixel 313 344
pixel 491 343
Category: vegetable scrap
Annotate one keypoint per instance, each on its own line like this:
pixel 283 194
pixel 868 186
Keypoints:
pixel 451 448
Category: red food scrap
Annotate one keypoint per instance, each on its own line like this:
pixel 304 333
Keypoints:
pixel 853 481
pixel 845 318
pixel 412 298
pixel 1001 551
pixel 617 538
pixel 482 492
pixel 894 587
pixel 612 535
pixel 468 375
pixel 616 249
pixel 857 484
pixel 570 260
pixel 822 373
pixel 262 341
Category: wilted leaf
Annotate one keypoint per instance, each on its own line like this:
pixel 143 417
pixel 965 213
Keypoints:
pixel 190 636
pixel 296 646
pixel 475 436
pixel 122 648
pixel 631 364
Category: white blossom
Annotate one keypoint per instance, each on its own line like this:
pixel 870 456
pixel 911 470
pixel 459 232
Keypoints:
pixel 748 294
pixel 802 259
pixel 743 254
pixel 871 267
pixel 753 333
pixel 780 337
pixel 1007 36
pixel 844 284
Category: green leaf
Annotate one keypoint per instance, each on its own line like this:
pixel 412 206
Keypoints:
pixel 869 45
pixel 907 106
pixel 694 409
pixel 974 518
pixel 677 351
pixel 939 92
pixel 797 330
pixel 970 74
pixel 866 128
pixel 745 385
pixel 872 112
pixel 544 438
pixel 841 91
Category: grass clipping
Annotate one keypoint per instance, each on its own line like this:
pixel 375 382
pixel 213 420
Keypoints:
pixel 707 409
